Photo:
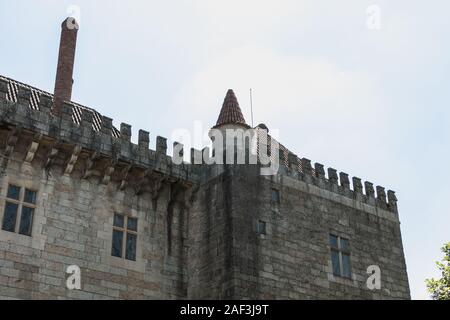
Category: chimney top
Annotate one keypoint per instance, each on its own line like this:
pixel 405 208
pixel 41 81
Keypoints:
pixel 66 59
pixel 70 23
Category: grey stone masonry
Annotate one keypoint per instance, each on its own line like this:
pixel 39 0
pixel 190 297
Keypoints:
pixel 204 231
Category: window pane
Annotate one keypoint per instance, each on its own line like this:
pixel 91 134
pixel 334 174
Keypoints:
pixel 346 265
pixel 275 196
pixel 132 224
pixel 333 241
pixel 30 196
pixel 26 221
pixel 117 240
pixel 13 192
pixel 131 246
pixel 10 216
pixel 335 263
pixel 344 245
pixel 118 220
pixel 261 227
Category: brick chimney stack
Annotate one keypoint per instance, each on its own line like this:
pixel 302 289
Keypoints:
pixel 66 58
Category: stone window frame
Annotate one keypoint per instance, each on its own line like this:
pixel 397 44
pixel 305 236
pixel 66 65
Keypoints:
pixel 275 205
pixel 261 230
pixel 140 264
pixel 37 239
pixel 20 202
pixel 125 231
pixel 341 252
pixel 350 281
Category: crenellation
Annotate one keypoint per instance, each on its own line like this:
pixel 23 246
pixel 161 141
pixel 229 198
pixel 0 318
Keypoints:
pixel 106 125
pixel 178 151
pixel 45 103
pixel 161 145
pixel 381 196
pixel 333 176
pixel 125 131
pixel 344 180
pixel 306 166
pixel 293 162
pixel 319 170
pixel 87 120
pixel 66 112
pixel 206 155
pixel 370 191
pixel 143 140
pixel 3 88
pixel 357 185
pixel 196 156
pixel 392 200
pixel 24 96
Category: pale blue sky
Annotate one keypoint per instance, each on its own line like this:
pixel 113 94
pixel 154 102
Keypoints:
pixel 371 103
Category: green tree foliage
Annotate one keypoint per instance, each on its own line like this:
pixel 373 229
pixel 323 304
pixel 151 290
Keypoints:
pixel 440 289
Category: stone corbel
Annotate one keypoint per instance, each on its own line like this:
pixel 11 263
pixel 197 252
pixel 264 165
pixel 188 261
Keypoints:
pixel 31 152
pixel 51 156
pixel 156 185
pixel 70 164
pixel 11 141
pixel 89 171
pixel 109 171
pixel 125 172
pixel 140 181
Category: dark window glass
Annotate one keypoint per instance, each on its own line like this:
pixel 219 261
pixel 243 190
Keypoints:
pixel 117 240
pixel 335 263
pixel 131 247
pixel 29 196
pixel 118 220
pixel 13 192
pixel 261 227
pixel 346 272
pixel 333 241
pixel 132 224
pixel 26 221
pixel 344 245
pixel 10 216
pixel 275 196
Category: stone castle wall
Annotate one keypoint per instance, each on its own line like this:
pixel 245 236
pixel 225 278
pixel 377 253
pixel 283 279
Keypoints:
pixel 292 259
pixel 199 226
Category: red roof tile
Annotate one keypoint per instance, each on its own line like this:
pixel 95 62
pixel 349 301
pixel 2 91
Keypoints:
pixel 231 112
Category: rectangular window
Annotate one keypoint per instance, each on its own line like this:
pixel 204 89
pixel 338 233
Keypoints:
pixel 340 256
pixel 275 196
pixel 261 227
pixel 23 201
pixel 10 216
pixel 117 241
pixel 124 237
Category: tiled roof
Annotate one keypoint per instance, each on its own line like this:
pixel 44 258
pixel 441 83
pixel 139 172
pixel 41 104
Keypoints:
pixel 231 112
pixel 78 109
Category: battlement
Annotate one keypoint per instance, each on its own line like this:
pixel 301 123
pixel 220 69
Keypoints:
pixel 331 180
pixel 29 108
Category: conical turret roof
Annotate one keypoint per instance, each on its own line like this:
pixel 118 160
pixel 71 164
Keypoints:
pixel 231 112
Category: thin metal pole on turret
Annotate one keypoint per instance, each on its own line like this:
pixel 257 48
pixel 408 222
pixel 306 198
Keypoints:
pixel 251 105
